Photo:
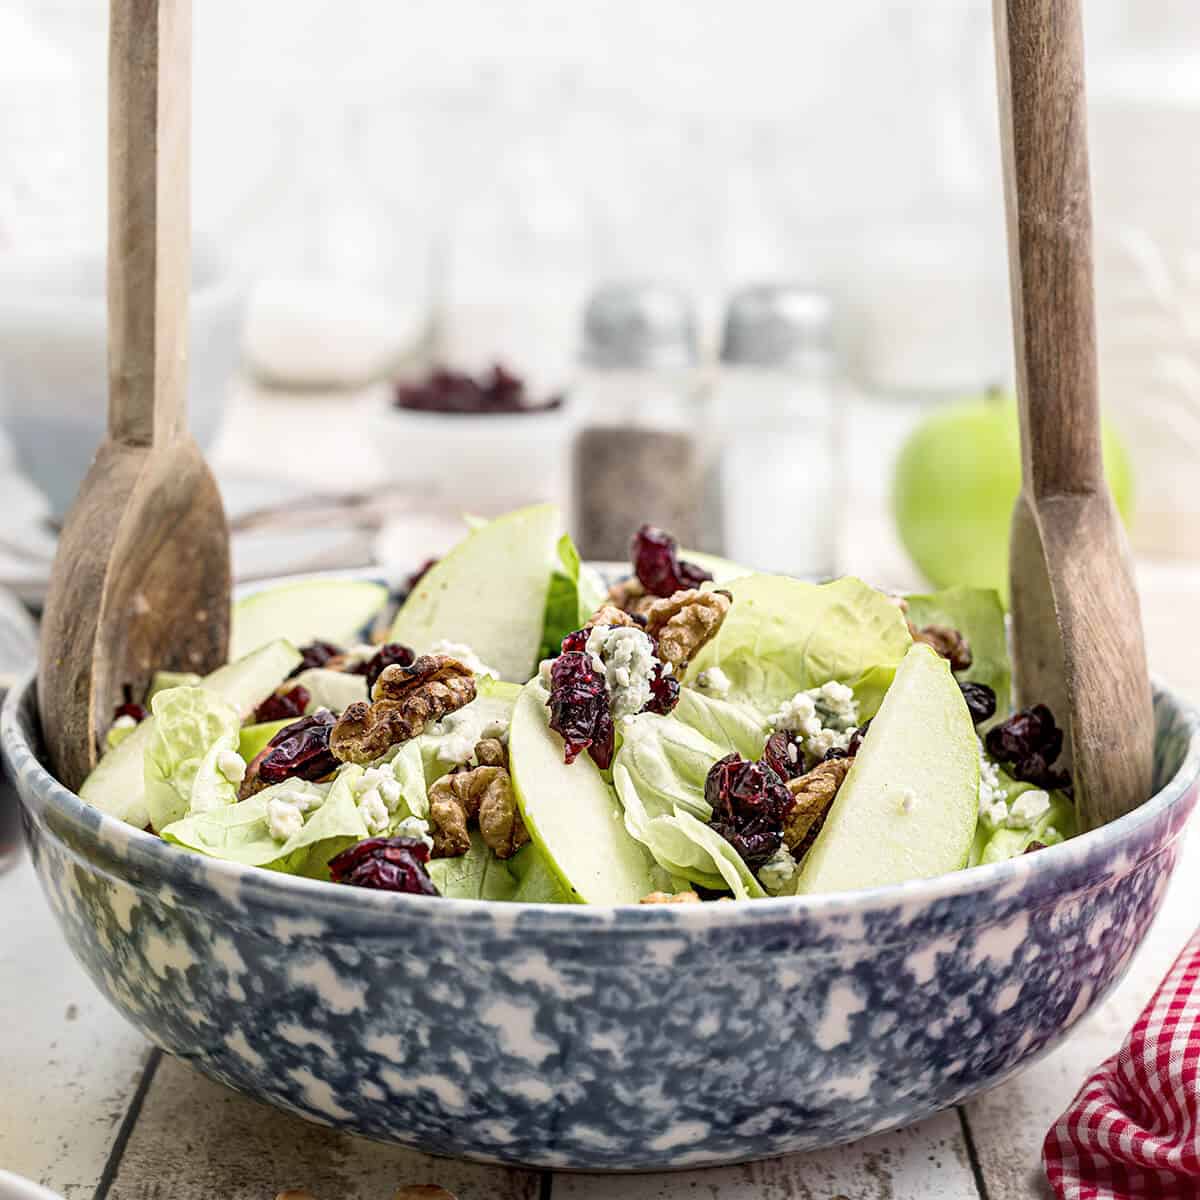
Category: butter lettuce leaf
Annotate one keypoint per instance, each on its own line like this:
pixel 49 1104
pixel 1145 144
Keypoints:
pixel 783 635
pixel 192 726
pixel 978 615
pixel 241 833
pixel 575 593
pixel 659 773
pixel 480 875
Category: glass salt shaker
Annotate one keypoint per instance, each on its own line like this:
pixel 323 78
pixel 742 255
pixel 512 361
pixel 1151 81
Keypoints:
pixel 774 431
pixel 635 454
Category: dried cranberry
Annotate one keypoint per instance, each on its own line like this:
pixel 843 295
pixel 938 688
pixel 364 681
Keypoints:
pixel 446 391
pixel 575 642
pixel 1031 742
pixel 784 754
pixel 664 692
pixel 856 739
pixel 299 751
pixel 130 708
pixel 750 804
pixel 395 864
pixel 316 654
pixel 579 710
pixel 655 557
pixel 981 701
pixel 281 705
pixel 835 752
pixel 385 656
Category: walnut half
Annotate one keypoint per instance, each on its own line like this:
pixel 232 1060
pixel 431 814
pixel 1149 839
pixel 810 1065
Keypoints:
pixel 948 642
pixel 685 622
pixel 404 703
pixel 484 792
pixel 814 794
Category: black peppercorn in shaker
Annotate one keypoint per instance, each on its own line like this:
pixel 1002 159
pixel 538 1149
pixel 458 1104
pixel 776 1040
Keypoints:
pixel 636 452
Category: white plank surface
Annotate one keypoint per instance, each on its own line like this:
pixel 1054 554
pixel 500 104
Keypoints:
pixel 1008 1124
pixel 70 1063
pixel 196 1140
pixel 924 1162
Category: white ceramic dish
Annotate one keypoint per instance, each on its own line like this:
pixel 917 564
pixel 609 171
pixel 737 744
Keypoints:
pixel 53 358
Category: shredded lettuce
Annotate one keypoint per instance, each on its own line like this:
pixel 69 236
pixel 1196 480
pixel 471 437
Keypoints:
pixel 192 726
pixel 979 616
pixel 241 833
pixel 783 635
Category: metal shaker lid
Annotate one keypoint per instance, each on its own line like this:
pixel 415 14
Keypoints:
pixel 777 325
pixel 636 324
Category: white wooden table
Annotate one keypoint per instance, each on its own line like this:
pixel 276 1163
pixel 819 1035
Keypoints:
pixel 91 1111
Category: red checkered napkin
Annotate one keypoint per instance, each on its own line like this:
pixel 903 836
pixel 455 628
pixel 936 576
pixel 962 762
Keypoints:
pixel 1133 1132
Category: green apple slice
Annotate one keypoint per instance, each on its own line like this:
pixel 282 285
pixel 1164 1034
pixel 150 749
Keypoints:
pixel 117 786
pixel 329 610
pixel 334 690
pixel 571 813
pixel 909 805
pixel 489 592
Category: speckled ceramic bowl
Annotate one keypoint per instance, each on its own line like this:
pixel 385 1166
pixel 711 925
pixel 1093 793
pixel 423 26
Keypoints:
pixel 603 1038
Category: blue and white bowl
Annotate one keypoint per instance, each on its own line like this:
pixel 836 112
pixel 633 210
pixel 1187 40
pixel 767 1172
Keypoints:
pixel 603 1038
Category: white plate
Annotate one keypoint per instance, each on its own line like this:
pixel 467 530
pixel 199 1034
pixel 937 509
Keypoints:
pixel 13 1187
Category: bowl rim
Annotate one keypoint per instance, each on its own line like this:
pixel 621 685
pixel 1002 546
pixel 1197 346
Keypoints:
pixel 281 892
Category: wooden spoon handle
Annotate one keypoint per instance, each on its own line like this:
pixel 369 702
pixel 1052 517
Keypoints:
pixel 1043 133
pixel 149 218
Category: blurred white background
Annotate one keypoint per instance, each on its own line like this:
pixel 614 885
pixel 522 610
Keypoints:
pixel 484 165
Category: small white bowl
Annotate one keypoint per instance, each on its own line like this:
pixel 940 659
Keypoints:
pixel 484 464
pixel 54 358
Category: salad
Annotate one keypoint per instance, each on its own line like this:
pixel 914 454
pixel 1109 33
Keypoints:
pixel 515 728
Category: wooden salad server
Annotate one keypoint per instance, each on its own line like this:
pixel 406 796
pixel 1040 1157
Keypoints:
pixel 1077 627
pixel 141 579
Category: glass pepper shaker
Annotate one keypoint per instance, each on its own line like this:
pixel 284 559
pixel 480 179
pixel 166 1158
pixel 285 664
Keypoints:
pixel 635 455
pixel 774 432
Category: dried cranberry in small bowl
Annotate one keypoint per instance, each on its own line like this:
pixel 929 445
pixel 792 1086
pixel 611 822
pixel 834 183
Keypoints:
pixel 447 391
pixel 385 656
pixel 395 864
pixel 655 558
pixel 316 654
pixel 281 705
pixel 750 804
pixel 981 701
pixel 579 708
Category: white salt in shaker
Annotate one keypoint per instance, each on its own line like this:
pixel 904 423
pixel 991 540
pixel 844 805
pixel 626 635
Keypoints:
pixel 773 432
pixel 635 457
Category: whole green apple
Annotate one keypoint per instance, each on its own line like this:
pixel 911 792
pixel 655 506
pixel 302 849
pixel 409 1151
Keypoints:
pixel 956 481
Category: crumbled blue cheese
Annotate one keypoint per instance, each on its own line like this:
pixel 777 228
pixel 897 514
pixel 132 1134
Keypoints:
pixel 626 655
pixel 824 718
pixel 457 739
pixel 1027 809
pixel 991 790
pixel 232 765
pixel 285 812
pixel 465 655
pixel 415 827
pixel 373 811
pixel 715 682
pixel 777 872
pixel 382 780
